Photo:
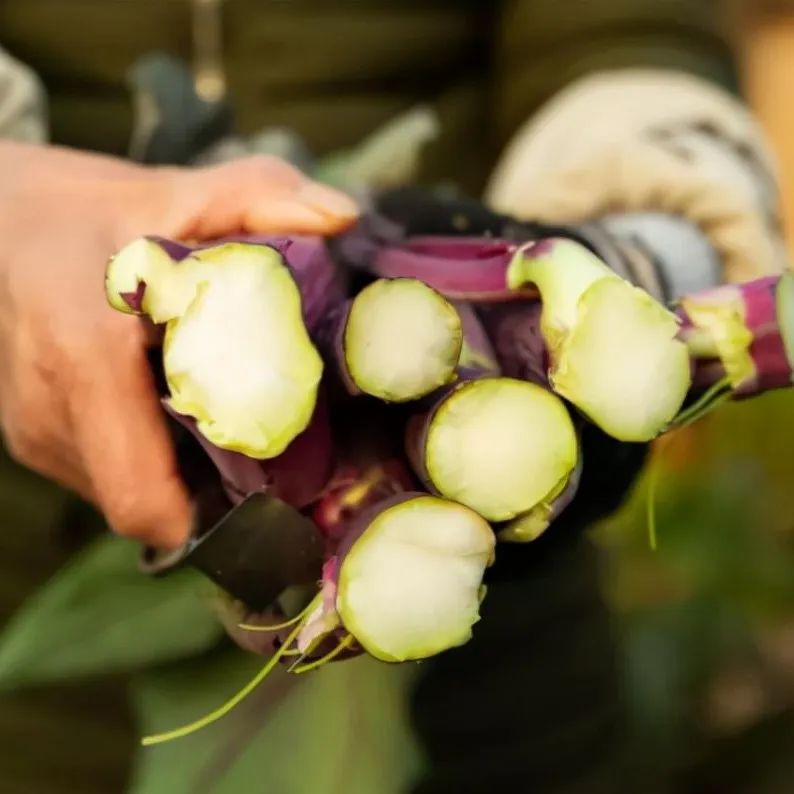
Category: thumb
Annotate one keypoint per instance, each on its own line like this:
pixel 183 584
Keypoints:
pixel 255 195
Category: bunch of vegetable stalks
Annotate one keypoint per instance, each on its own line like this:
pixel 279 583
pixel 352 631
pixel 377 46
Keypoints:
pixel 420 399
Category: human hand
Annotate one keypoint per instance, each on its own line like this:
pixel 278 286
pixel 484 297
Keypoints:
pixel 77 400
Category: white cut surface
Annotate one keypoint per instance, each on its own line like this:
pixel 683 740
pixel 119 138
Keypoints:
pixel 170 286
pixel 410 586
pixel 239 359
pixel 402 339
pixel 500 446
pixel 621 364
pixel 131 266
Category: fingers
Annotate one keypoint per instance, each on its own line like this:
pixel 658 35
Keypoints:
pixel 51 460
pixel 260 195
pixel 121 434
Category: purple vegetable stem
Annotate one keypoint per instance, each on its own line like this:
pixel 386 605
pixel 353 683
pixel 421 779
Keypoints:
pixel 757 308
pixel 297 476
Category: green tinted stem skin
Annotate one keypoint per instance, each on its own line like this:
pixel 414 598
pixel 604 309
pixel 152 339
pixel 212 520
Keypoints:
pixel 739 333
pixel 261 345
pixel 498 445
pixel 613 351
pixel 531 525
pixel 410 576
pixel 397 340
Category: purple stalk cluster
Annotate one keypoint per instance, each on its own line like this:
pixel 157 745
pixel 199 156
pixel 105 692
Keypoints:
pixel 423 413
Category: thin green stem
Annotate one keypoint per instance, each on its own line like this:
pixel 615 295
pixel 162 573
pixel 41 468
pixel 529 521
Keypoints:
pixel 715 403
pixel 223 710
pixel 715 395
pixel 653 482
pixel 276 626
pixel 305 668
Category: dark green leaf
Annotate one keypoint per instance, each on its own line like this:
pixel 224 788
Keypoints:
pixel 100 615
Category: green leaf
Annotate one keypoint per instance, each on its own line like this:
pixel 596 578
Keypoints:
pixel 100 615
pixel 340 730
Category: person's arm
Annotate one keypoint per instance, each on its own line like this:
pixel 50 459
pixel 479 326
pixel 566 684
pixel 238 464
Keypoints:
pixel 77 401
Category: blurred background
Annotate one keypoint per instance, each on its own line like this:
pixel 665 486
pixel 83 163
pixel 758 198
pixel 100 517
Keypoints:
pixel 704 623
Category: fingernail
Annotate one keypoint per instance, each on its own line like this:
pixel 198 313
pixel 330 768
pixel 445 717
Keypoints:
pixel 290 216
pixel 327 200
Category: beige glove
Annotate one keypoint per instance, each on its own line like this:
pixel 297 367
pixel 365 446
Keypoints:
pixel 649 140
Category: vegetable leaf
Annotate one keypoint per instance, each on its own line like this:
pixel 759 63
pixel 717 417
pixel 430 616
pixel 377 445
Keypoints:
pixel 100 615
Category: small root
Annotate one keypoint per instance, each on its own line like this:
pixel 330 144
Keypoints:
pixel 230 704
pixel 717 394
pixel 305 668
pixel 653 482
pixel 277 626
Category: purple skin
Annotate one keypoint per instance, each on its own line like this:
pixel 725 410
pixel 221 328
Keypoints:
pixel 320 281
pixel 477 357
pixel 756 302
pixel 478 360
pixel 520 348
pixel 135 299
pixel 460 268
pixel 266 643
pixel 176 250
pixel 568 493
pixel 330 338
pixel 333 567
pixel 416 430
pixel 297 476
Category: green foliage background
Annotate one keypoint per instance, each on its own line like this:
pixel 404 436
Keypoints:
pixel 707 620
